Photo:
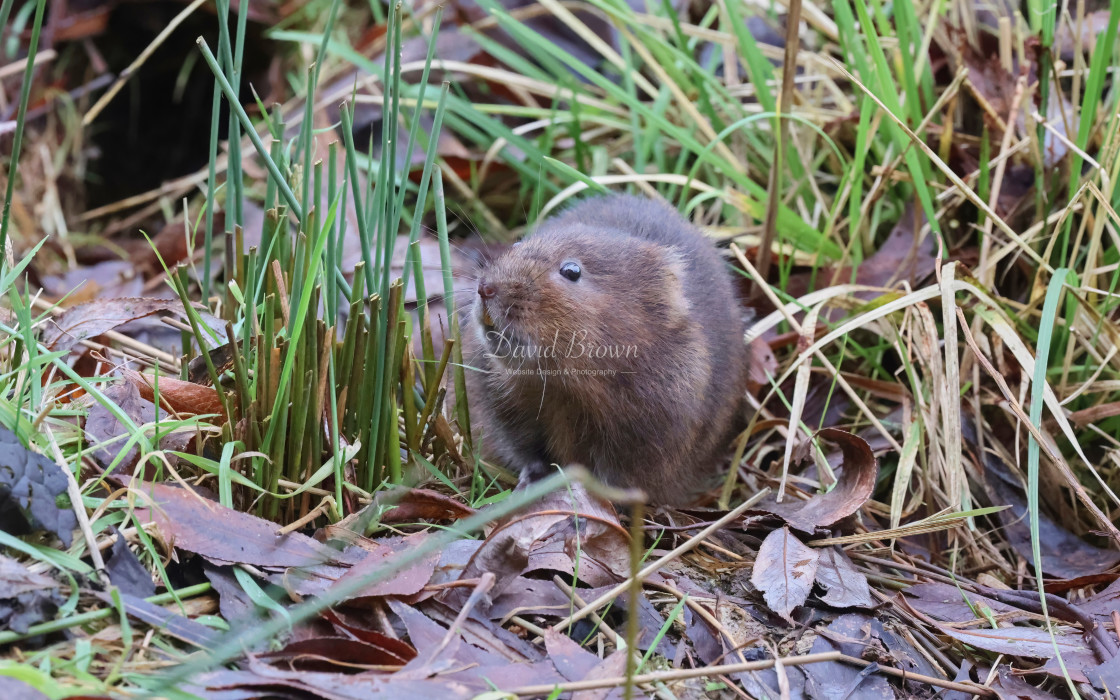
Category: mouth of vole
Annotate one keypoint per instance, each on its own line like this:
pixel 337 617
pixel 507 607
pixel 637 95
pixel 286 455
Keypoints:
pixel 505 342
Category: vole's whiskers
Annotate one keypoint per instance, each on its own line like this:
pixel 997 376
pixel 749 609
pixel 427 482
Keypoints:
pixel 544 387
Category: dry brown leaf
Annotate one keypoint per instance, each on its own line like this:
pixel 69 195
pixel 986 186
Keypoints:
pixel 221 534
pixel 861 635
pixel 181 397
pixel 614 666
pixel 949 603
pixel 571 660
pixel 94 318
pixel 1032 642
pixel 421 504
pixel 400 583
pixel 856 482
pixel 784 571
pixel 339 654
pixel 846 586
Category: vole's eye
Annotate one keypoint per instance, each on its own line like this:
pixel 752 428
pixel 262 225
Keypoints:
pixel 571 271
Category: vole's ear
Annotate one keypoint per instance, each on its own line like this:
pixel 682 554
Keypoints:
pixel 675 270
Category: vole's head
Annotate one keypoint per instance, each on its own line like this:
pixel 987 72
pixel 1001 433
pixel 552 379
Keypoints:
pixel 574 296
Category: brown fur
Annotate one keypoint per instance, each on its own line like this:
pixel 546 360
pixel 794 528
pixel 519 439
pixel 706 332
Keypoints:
pixel 654 292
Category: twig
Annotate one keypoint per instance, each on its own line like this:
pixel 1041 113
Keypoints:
pixel 324 504
pixel 75 494
pixel 781 132
pixel 139 61
pixel 618 641
pixel 485 583
pixel 522 622
pixel 637 540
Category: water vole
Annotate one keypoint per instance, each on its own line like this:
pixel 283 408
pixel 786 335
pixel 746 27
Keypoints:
pixel 610 338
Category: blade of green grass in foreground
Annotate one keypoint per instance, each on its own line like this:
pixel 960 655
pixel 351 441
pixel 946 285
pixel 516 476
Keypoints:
pixel 1038 385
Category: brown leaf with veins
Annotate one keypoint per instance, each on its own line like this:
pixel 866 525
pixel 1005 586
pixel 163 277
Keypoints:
pixel 784 571
pixel 408 505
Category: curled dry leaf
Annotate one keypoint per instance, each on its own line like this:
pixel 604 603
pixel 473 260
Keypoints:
pixel 857 481
pixel 784 571
pixel 349 626
pixel 409 505
pixel 181 397
pixel 94 318
pixel 340 653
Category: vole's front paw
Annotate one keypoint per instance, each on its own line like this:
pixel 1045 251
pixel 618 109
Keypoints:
pixel 532 473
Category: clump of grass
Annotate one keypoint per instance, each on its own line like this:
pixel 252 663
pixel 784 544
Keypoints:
pixel 324 373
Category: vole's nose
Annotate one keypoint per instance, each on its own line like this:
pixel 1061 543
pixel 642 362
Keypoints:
pixel 486 290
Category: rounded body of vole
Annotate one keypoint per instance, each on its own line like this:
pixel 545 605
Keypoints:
pixel 609 338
